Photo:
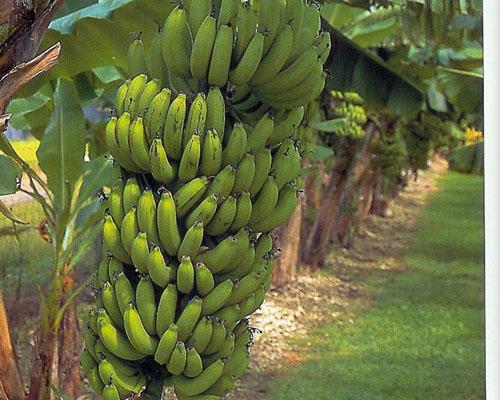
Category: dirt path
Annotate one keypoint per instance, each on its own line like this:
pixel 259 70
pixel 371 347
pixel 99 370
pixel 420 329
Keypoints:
pixel 335 293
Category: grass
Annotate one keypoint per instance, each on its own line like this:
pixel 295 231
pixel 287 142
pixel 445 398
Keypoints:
pixel 424 337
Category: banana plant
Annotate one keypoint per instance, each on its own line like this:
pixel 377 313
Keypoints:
pixel 69 199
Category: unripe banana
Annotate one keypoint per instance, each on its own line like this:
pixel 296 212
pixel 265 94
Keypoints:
pixel 225 351
pixel 94 379
pixel 165 315
pixel 284 208
pixel 146 304
pixel 239 359
pixel 121 95
pixel 131 194
pixel 156 114
pixel 110 304
pixel 236 146
pixel 116 342
pixel 216 299
pixel 89 340
pixel 174 127
pixel 245 70
pixel 243 212
pixel 220 256
pixel 190 158
pixel 190 245
pixel 150 91
pixel 295 15
pixel 112 240
pixel 308 32
pixel 286 163
pixel 115 203
pixel 129 229
pixel 246 26
pixel 216 111
pixel 189 194
pixel 135 58
pixel 211 154
pixel 244 287
pixel 155 65
pixel 287 127
pixel 223 183
pixel 139 252
pixel 102 272
pixel 112 145
pixel 123 139
pixel 223 217
pixel 228 11
pixel 136 332
pixel 266 201
pixel 166 218
pixel 204 279
pixel 177 43
pixel 194 365
pixel 220 61
pixel 146 216
pixel 166 345
pixel 204 212
pixel 133 96
pixel 263 161
pixel 202 48
pixel 177 362
pixel 110 392
pixel 158 270
pixel 189 318
pixel 269 21
pixel 124 291
pixel 125 384
pixel 185 276
pixel 196 119
pixel 244 174
pixel 201 335
pixel 160 166
pixel 92 321
pixel 223 385
pixel 197 14
pixel 192 387
pixel 217 339
pixel 260 134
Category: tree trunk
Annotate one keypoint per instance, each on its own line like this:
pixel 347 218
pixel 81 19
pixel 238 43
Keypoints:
pixel 42 364
pixel 379 203
pixel 289 238
pixel 70 349
pixel 10 378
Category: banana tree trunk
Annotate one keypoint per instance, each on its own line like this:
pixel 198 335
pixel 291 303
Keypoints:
pixel 11 384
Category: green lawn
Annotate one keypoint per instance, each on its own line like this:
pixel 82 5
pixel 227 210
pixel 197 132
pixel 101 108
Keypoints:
pixel 424 337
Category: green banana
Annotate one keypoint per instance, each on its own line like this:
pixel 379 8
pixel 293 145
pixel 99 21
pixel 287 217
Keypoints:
pixel 295 15
pixel 146 216
pixel 110 392
pixel 135 58
pixel 230 316
pixel 160 166
pixel 165 314
pixel 236 146
pixel 245 287
pixel 121 95
pixel 134 93
pixel 177 43
pixel 201 335
pixel 190 245
pixel 116 342
pixel 196 119
pixel 197 14
pixel 174 127
pixel 284 208
pixel 115 150
pixel 122 367
pixel 129 229
pixel 146 304
pixel 225 351
pixel 204 212
pixel 92 321
pixel 202 48
pixel 155 65
pixel 124 292
pixel 190 160
pixel 243 212
pixel 189 318
pixel 158 270
pixel 110 304
pixel 112 240
pixel 228 11
pixel 123 138
pixel 204 279
pixel 185 275
pixel 246 26
pixel 189 194
pixel 244 174
pixel 139 252
pixel 223 385
pixel 286 127
pixel 219 257
pixel 220 61
pixel 217 339
pixel 269 21
pixel 216 111
pixel 192 387
pixel 263 161
pixel 115 204
pixel 264 245
pixel 152 88
pixel 307 33
pixel 245 70
pixel 124 384
pixel 223 183
pixel 177 362
pixel 166 345
pixel 286 163
pixel 156 114
pixel 136 332
pixel 89 340
pixel 131 194
pixel 216 299
pixel 315 91
pixel 211 154
pixel 168 230
pixel 223 217
pixel 266 201
pixel 260 134
pixel 194 365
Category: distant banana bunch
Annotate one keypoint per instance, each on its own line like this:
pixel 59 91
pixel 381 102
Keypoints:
pixel 349 106
pixel 206 132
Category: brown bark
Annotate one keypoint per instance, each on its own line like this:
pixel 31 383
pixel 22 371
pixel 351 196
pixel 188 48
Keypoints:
pixel 366 196
pixel 289 238
pixel 379 203
pixel 42 365
pixel 10 378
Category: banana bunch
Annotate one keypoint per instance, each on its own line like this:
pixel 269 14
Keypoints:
pixel 275 49
pixel 348 106
pixel 206 132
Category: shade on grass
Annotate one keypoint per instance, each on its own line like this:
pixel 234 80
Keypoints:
pixel 424 337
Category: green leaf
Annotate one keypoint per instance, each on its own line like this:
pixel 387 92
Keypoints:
pixel 321 153
pixel 62 147
pixel 332 125
pixel 436 99
pixel 14 231
pixel 10 176
pixel 7 212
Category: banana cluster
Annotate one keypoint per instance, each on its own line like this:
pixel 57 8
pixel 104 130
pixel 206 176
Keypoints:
pixel 206 132
pixel 272 49
pixel 348 105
